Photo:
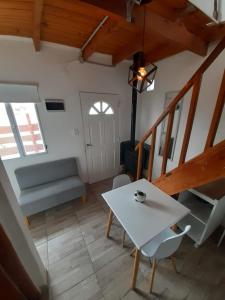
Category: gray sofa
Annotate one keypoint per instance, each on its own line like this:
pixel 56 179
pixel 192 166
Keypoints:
pixel 48 184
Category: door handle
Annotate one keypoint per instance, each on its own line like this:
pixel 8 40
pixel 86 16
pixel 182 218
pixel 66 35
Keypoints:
pixel 89 145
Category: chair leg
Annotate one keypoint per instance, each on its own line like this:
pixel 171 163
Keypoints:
pixel 26 221
pixel 173 261
pixel 132 252
pixel 83 199
pixel 123 237
pixel 110 218
pixel 152 276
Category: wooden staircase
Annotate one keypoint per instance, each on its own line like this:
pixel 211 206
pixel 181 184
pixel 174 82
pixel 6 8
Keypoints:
pixel 205 167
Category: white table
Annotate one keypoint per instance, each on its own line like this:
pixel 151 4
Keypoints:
pixel 142 221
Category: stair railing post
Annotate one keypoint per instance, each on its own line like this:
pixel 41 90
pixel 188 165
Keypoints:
pixel 190 119
pixel 216 115
pixel 167 140
pixel 151 154
pixel 139 164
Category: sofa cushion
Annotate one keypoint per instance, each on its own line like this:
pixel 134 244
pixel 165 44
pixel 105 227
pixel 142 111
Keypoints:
pixel 43 173
pixel 48 195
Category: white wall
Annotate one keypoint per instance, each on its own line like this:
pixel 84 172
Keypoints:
pixel 11 220
pixel 172 75
pixel 207 6
pixel 59 76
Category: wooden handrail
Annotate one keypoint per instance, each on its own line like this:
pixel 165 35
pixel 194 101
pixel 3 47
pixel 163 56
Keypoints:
pixel 190 119
pixel 216 115
pixel 201 70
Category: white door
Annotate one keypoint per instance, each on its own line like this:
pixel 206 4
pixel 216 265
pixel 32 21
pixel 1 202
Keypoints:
pixel 101 128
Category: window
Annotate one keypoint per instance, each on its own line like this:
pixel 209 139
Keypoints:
pixel 20 132
pixel 151 87
pixel 101 107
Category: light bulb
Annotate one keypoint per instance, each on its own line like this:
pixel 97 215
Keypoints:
pixel 142 73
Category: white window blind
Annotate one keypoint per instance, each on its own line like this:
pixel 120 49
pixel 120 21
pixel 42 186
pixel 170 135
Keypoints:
pixel 18 93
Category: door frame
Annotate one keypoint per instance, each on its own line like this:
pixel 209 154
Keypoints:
pixel 84 123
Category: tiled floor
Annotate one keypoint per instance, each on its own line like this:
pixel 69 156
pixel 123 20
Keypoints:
pixel 83 265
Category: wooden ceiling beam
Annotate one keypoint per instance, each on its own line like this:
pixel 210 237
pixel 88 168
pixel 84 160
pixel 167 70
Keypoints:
pixel 162 51
pixel 173 33
pixel 128 50
pixel 101 36
pixel 176 33
pixel 37 17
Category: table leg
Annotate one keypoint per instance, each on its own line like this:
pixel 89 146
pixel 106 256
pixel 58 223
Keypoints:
pixel 109 223
pixel 152 275
pixel 123 238
pixel 135 268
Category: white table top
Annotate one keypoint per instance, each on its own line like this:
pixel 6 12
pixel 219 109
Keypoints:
pixel 143 221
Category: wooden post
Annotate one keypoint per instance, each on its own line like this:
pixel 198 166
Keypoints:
pixel 135 268
pixel 217 115
pixel 190 119
pixel 167 141
pixel 151 154
pixel 139 164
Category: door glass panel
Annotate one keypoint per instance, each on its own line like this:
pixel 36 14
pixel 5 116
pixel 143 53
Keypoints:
pixel 93 111
pixel 109 111
pixel 104 106
pixel 97 105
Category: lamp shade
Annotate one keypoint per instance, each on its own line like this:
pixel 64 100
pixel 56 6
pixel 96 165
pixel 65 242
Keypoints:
pixel 142 77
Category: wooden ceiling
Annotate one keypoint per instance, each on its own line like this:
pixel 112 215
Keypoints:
pixel 171 26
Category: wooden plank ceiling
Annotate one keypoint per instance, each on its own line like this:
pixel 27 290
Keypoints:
pixel 172 26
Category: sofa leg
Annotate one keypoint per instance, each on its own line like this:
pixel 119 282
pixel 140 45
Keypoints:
pixel 26 221
pixel 83 199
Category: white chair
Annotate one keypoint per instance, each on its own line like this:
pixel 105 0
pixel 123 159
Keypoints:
pixel 119 181
pixel 162 246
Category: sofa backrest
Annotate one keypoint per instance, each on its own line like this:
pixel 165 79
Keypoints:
pixel 38 174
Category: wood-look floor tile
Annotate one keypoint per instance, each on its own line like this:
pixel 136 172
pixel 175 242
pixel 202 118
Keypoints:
pixel 43 252
pixel 70 270
pixel 88 289
pixel 114 278
pixel 37 226
pixel 59 222
pixel 64 244
pixel 103 250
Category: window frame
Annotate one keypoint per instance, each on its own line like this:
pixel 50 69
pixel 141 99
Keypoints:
pixel 16 132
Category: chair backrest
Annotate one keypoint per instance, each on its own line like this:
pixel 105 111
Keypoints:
pixel 120 180
pixel 170 245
